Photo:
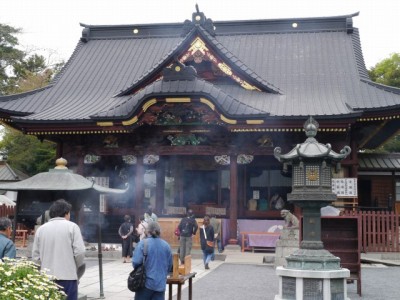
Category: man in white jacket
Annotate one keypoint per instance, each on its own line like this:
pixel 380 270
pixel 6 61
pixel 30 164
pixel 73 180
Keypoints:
pixel 58 247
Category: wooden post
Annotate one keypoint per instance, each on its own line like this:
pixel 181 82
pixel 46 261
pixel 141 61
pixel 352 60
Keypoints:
pixel 187 265
pixel 139 183
pixel 175 266
pixel 160 186
pixel 233 240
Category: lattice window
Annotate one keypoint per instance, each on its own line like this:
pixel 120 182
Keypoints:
pixel 289 288
pixel 312 289
pixel 337 289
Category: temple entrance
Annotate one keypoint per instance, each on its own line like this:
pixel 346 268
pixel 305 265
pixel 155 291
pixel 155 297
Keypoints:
pixel 200 187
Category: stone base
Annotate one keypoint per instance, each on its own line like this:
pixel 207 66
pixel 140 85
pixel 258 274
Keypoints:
pixel 283 249
pixel 313 259
pixel 287 244
pixel 310 284
pixel 235 248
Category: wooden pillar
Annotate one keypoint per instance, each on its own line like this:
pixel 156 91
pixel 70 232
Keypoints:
pixel 139 185
pixel 233 207
pixel 59 150
pixel 354 159
pixel 160 186
pixel 80 160
pixel 80 164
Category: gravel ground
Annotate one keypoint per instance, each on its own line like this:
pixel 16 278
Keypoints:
pixel 242 282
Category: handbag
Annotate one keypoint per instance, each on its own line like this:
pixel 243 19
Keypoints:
pixel 137 278
pixel 177 232
pixel 209 244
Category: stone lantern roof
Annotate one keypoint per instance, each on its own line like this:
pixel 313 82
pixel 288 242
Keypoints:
pixel 311 148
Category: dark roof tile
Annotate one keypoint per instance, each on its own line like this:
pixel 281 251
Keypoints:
pixel 318 70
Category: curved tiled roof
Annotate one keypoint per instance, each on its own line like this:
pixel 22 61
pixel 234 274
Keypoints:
pixel 198 87
pixel 314 69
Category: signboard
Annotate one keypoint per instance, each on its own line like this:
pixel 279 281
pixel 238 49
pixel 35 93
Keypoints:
pixel 105 182
pixel 345 187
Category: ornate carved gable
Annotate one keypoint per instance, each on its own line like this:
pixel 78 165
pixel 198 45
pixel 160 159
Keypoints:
pixel 209 66
pixel 171 114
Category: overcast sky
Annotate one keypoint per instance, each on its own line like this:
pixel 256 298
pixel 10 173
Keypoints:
pixel 54 24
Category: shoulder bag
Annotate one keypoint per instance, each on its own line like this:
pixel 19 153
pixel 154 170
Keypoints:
pixel 209 244
pixel 137 277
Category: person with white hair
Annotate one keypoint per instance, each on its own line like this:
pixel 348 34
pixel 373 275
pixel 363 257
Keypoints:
pixel 7 247
pixel 158 263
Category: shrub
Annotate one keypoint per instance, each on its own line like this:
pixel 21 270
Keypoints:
pixel 22 279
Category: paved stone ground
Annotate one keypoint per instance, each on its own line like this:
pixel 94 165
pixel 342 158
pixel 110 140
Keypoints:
pixel 241 277
pixel 241 282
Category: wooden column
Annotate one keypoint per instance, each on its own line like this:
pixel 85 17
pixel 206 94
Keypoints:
pixel 80 160
pixel 160 186
pixel 233 207
pixel 80 164
pixel 139 185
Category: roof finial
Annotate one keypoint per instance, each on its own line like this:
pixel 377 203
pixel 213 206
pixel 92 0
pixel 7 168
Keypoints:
pixel 311 127
pixel 198 19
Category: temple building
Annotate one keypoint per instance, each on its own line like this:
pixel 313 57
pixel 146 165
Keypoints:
pixel 189 113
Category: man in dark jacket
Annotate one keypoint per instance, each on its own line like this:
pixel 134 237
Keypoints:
pixel 187 227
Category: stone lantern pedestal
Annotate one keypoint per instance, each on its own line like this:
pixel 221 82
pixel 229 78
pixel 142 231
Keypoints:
pixel 298 284
pixel 312 273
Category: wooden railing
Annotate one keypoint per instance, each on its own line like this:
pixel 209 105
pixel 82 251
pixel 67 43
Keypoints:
pixel 380 230
pixel 7 211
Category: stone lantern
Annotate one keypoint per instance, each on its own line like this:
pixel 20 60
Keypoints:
pixel 312 272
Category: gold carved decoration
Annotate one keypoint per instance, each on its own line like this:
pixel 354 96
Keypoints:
pixel 312 175
pixel 229 121
pixel 148 104
pixel 105 124
pixel 254 122
pixel 208 103
pixel 110 141
pixel 265 141
pixel 177 100
pixel 198 51
pixel 130 122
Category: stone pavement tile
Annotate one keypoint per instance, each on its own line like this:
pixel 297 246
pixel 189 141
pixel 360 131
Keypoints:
pixel 115 275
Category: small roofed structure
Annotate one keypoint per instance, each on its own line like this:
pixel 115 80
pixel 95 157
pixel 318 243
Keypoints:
pixel 58 179
pixel 4 200
pixel 36 193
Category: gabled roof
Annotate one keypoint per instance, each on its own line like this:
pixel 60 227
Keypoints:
pixel 301 67
pixel 379 162
pixel 8 174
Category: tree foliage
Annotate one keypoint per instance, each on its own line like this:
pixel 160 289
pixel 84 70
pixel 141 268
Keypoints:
pixel 387 71
pixel 9 56
pixel 26 153
pixel 21 71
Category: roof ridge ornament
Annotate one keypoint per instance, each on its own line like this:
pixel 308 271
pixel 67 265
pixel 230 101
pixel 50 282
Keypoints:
pixel 179 71
pixel 198 19
pixel 311 127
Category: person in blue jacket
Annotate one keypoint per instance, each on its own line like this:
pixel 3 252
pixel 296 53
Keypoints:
pixel 7 247
pixel 157 265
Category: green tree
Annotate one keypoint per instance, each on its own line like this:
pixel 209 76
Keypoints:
pixel 387 71
pixel 26 153
pixel 21 71
pixel 9 56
